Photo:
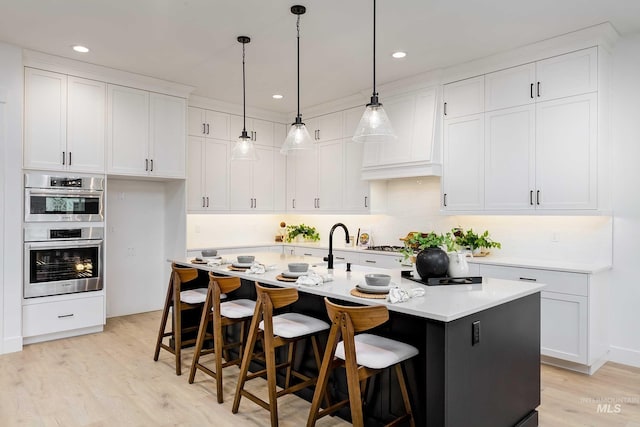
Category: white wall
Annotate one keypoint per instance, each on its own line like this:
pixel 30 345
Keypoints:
pixel 625 320
pixel 11 95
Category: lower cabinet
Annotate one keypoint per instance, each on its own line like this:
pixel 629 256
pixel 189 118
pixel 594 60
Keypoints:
pixel 49 317
pixel 573 313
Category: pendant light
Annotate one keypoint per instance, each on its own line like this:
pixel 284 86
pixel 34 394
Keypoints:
pixel 298 137
pixel 374 126
pixel 244 149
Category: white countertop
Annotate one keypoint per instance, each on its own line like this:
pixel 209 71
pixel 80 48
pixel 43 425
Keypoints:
pixel 442 303
pixel 493 259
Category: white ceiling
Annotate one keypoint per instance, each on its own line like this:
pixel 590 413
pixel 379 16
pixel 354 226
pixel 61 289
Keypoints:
pixel 194 41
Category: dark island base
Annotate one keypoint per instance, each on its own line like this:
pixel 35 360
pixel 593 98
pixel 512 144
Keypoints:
pixel 452 382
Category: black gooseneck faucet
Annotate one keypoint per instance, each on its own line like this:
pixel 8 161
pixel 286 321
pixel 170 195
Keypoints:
pixel 329 258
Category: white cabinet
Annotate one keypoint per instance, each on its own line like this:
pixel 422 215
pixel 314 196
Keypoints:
pixel 413 117
pixel 64 122
pixel 260 131
pixel 145 133
pixel 463 172
pixel 509 159
pixel 567 75
pixel 327 127
pixel 573 313
pixel 251 183
pixel 48 317
pixel 208 123
pixel 315 178
pixel 356 196
pixel 380 260
pixel 207 177
pixel 464 97
pixel 510 88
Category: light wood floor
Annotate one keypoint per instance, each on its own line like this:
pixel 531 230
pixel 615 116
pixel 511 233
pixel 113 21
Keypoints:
pixel 110 379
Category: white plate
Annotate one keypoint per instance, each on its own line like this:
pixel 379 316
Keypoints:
pixel 241 264
pixel 374 289
pixel 211 258
pixel 294 274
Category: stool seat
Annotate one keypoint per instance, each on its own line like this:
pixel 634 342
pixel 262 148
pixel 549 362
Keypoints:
pixel 377 352
pixel 293 325
pixel 195 296
pixel 237 309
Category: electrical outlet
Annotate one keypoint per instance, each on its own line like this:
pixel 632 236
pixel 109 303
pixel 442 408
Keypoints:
pixel 475 332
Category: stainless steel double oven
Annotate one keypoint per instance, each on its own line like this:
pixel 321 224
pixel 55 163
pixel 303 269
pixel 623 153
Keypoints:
pixel 63 234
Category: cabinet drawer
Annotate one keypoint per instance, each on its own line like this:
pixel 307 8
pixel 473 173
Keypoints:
pixel 555 281
pixel 380 261
pixel 345 256
pixel 50 317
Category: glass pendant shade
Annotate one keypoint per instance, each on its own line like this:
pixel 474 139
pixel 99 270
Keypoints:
pixel 298 138
pixel 244 149
pixel 374 126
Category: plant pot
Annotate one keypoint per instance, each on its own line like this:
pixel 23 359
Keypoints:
pixel 432 262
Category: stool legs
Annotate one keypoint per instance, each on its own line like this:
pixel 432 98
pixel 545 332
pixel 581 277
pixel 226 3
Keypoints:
pixel 246 360
pixel 172 299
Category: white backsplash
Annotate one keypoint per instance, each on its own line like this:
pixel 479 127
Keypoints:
pixel 414 205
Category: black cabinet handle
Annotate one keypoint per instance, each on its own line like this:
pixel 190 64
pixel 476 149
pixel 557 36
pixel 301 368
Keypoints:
pixel 69 158
pixel 307 254
pixel 531 197
pixel 528 279
pixel 445 108
pixel 204 128
pixel 318 203
pixel 445 200
pixel 203 204
pixel 207 201
pixel 293 203
pixel 62 316
pixel 207 128
pixel 151 165
pixel 146 165
pixel 64 157
pixel 370 261
pixel 538 197
pixel 538 89
pixel 365 201
pixel 531 92
pixel 318 134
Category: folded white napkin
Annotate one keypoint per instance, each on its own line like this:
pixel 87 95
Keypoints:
pixel 257 268
pixel 313 279
pixel 401 295
pixel 214 262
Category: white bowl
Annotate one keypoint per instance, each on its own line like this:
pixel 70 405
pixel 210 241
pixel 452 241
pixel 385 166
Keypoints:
pixel 375 279
pixel 246 259
pixel 298 267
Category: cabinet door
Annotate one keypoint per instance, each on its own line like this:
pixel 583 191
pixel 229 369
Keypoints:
pixel 127 131
pixel 302 180
pixel 330 126
pixel 196 200
pixel 330 176
pixel 566 133
pixel 566 75
pixel 463 169
pixel 356 190
pixel 45 122
pixel 401 110
pixel 196 122
pixel 464 97
pixel 216 172
pixel 85 124
pixel 241 185
pixel 563 326
pixel 263 132
pixel 263 179
pixel 217 125
pixel 279 134
pixel 279 180
pixel 167 148
pixel 509 162
pixel 370 152
pixel 510 88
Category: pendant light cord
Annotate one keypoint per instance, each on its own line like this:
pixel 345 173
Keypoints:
pixel 298 42
pixel 374 48
pixel 244 100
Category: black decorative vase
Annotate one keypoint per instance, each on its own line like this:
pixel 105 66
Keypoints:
pixel 432 262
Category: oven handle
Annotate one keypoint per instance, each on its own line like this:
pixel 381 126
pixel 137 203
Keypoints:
pixel 63 244
pixel 65 192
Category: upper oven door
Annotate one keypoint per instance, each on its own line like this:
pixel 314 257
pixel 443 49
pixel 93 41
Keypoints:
pixel 62 205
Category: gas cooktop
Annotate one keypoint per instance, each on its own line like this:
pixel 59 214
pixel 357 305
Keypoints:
pixel 385 248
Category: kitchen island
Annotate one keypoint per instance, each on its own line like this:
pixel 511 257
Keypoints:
pixel 479 344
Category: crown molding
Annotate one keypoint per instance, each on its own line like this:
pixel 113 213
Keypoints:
pixel 85 70
pixel 230 108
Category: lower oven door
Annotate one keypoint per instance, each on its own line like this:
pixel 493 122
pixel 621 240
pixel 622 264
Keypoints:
pixel 53 268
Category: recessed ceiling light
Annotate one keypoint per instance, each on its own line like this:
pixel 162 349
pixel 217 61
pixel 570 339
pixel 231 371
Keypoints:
pixel 277 96
pixel 81 49
pixel 399 54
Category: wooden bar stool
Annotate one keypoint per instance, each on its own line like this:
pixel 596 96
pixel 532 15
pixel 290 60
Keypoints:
pixel 178 301
pixel 276 331
pixel 362 355
pixel 221 315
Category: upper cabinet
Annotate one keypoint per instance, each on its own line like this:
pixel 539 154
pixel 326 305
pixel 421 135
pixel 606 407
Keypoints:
pixel 327 127
pixel 260 131
pixel 251 184
pixel 145 133
pixel 208 124
pixel 463 98
pixel 413 152
pixel 539 138
pixel 207 175
pixel 64 122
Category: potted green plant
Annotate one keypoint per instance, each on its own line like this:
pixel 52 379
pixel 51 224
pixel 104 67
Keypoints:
pixel 302 232
pixel 430 259
pixel 477 243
